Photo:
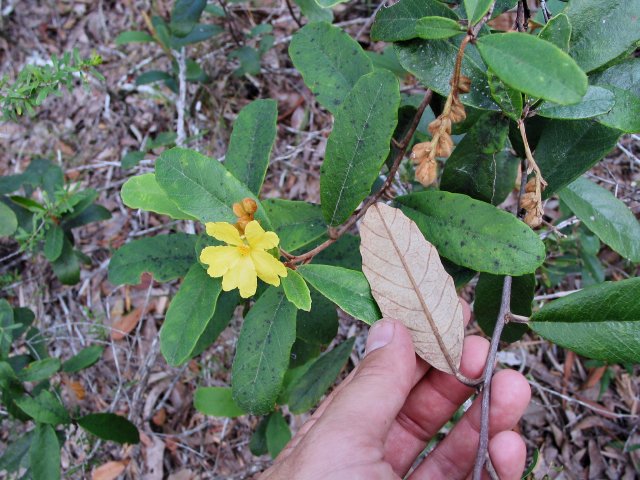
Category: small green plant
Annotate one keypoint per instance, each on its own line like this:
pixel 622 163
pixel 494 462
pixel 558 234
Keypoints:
pixel 35 83
pixel 42 219
pixel 31 394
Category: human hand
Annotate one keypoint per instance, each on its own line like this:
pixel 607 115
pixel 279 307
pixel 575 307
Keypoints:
pixel 381 417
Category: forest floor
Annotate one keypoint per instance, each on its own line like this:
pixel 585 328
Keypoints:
pixel 583 419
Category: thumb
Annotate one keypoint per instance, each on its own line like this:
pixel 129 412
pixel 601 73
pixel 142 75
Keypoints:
pixel 381 383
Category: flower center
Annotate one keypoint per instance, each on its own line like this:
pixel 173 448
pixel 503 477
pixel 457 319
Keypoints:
pixel 244 249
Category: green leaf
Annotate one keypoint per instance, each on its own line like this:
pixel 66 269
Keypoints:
pixel 201 186
pixel 474 234
pixel 84 359
pixel 67 266
pixel 533 66
pixel 258 442
pixel 596 101
pixel 15 453
pixel 314 12
pixel 225 307
pixel 44 453
pixel 143 192
pixel 254 132
pixel 510 100
pixel 476 9
pixel 216 402
pixel 278 434
pixel 623 80
pixel 132 158
pixel 358 144
pixel 8 377
pixel 199 33
pixel 39 370
pixel 567 149
pixel 434 28
pixel 432 61
pixel 163 139
pixel 8 221
pixel 185 15
pixel 22 316
pixel 605 215
pixel 602 31
pixel 320 376
pixel 188 315
pixel 348 289
pixel 83 216
pixel 262 353
pixel 479 165
pixel 296 290
pixel 329 3
pixel 330 61
pixel 557 31
pixel 302 353
pixel 296 223
pixel 600 322
pixel 53 241
pixel 109 426
pixel 45 408
pixel 132 36
pixel 166 257
pixel 344 252
pixel 319 325
pixel 249 59
pixel 145 78
pixel 398 21
pixel 6 323
pixel 486 305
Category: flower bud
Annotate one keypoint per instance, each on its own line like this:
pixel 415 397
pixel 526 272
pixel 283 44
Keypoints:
pixel 250 206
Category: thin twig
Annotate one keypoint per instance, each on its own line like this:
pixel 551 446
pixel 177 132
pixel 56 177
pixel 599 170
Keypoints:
pixel 293 14
pixel 182 97
pixel 334 234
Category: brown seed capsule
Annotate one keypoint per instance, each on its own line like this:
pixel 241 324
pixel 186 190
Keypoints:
pixel 427 172
pixel 464 84
pixel 420 151
pixel 444 146
pixel 531 185
pixel 533 218
pixel 529 201
pixel 458 112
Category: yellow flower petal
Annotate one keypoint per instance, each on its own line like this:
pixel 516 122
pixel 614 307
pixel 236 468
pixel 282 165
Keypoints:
pixel 241 276
pixel 225 232
pixel 268 268
pixel 258 238
pixel 219 259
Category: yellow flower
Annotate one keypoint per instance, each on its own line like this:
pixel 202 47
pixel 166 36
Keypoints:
pixel 244 258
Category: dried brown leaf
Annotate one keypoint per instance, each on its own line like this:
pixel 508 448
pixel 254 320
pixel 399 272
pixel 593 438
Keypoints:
pixel 123 325
pixel 108 471
pixel 410 284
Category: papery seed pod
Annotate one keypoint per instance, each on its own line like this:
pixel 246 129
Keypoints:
pixel 458 112
pixel 464 84
pixel 445 125
pixel 531 185
pixel 435 126
pixel 529 201
pixel 427 172
pixel 420 151
pixel 533 218
pixel 444 146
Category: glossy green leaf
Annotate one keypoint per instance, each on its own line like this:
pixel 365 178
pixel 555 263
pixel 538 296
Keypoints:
pixel 557 31
pixel 296 290
pixel 262 353
pixel 474 234
pixel 479 165
pixel 22 316
pixel 6 326
pixel 533 66
pixel 344 252
pixel 330 61
pixel 132 36
pixel 278 434
pixel 185 15
pixel 435 28
pixel 188 315
pixel 319 325
pixel 320 376
pixel 254 132
pixel 133 157
pixel 44 454
pixel 291 378
pixel 432 61
pixel 67 266
pixel 199 33
pixel 346 288
pixel 109 426
pixel 625 75
pixel 314 12
pixel 53 242
pixel 302 353
pixel 258 442
pixel 358 144
pixel 623 80
pixel 142 191
pixel 296 223
pixel 216 402
pixel 600 322
pixel 8 221
pixel 84 359
pixel 596 101
pixel 509 99
pixel 486 304
pixel 398 21
pixel 602 31
pixel 566 149
pixel 329 3
pixel 166 257
pixel 80 217
pixel 44 408
pixel 39 370
pixel 225 307
pixel 15 453
pixel 200 186
pixel 476 9
pixel 605 215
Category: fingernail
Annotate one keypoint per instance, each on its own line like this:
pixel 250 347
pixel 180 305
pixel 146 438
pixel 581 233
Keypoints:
pixel 380 334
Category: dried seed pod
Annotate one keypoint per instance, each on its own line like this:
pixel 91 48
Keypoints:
pixel 533 218
pixel 464 84
pixel 427 172
pixel 531 185
pixel 458 112
pixel 444 146
pixel 529 201
pixel 421 151
pixel 434 126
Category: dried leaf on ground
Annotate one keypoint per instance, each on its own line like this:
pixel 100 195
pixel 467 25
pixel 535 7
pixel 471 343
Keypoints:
pixel 125 324
pixel 410 284
pixel 108 471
